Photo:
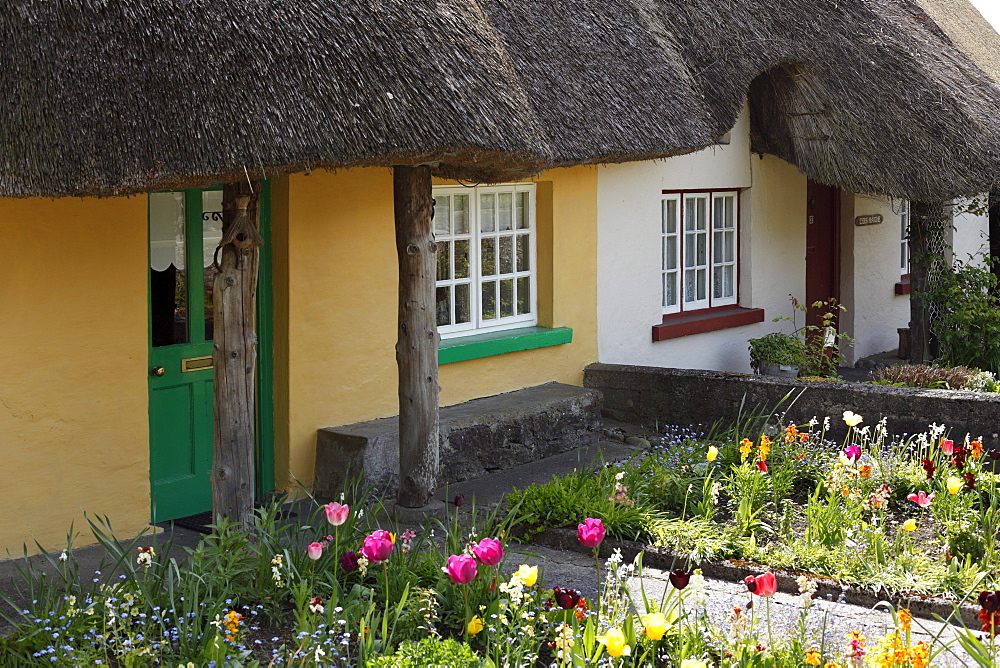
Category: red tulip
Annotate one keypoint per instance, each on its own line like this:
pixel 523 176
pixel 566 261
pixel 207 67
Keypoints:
pixel 314 550
pixel 591 532
pixel 566 598
pixel 762 465
pixel 461 568
pixel 378 546
pixel 679 578
pixel 764 584
pixel 489 551
pixel 947 446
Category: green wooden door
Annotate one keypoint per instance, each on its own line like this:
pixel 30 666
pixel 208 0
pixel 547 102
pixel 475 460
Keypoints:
pixel 184 229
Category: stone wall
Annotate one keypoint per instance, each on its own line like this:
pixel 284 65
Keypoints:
pixel 658 396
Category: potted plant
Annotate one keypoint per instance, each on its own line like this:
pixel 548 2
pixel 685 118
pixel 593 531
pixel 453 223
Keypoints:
pixel 777 354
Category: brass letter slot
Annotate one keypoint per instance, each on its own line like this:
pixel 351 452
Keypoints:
pixel 196 364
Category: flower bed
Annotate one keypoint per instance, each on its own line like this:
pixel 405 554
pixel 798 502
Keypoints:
pixel 348 589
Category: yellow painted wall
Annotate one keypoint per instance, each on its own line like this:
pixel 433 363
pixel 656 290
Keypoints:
pixel 336 331
pixel 74 427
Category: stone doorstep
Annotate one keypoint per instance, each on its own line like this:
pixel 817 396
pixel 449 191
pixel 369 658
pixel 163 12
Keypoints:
pixel 477 437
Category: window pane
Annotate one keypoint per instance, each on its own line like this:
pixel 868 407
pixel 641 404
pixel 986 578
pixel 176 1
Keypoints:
pixel 523 295
pixel 719 214
pixel 690 241
pixel 463 303
pixel 167 275
pixel 522 210
pixel 670 252
pixel 718 247
pixel 461 204
pixel 728 281
pixel 443 306
pixel 523 253
pixel 670 288
pixel 488 256
pixel 730 254
pixel 506 298
pixel 487 213
pixel 506 255
pixel 702 284
pixel 462 258
pixel 702 249
pixel 443 260
pixel 442 215
pixel 702 213
pixel 689 281
pixel 669 216
pixel 731 212
pixel 717 282
pixel 506 211
pixel 489 302
pixel 690 213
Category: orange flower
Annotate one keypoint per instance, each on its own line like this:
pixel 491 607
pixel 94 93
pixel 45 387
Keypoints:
pixel 977 449
pixel 765 448
pixel 803 437
pixel 865 472
pixel 904 617
pixel 745 446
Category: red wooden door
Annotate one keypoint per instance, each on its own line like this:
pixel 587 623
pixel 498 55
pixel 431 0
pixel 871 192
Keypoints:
pixel 822 247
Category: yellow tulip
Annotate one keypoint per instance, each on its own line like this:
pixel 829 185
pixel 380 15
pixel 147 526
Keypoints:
pixel 656 625
pixel 475 626
pixel 910 525
pixel 954 485
pixel 852 419
pixel 528 575
pixel 712 453
pixel 614 641
pixel 694 663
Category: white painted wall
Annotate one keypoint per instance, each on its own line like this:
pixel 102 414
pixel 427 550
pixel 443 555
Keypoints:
pixel 870 269
pixel 772 248
pixel 970 233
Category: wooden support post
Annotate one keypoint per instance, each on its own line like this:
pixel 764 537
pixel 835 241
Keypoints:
pixel 928 225
pixel 417 347
pixel 234 355
pixel 993 204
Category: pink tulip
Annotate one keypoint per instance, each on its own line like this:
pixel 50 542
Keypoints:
pixel 922 499
pixel 489 551
pixel 461 568
pixel 591 532
pixel 336 513
pixel 378 546
pixel 764 584
pixel 948 446
pixel 852 452
pixel 315 550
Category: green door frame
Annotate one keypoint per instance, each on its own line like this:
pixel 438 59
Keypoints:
pixel 264 482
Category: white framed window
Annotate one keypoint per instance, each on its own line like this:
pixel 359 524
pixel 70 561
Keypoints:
pixel 486 275
pixel 700 250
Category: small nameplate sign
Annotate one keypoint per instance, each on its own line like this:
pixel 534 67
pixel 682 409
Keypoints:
pixel 875 219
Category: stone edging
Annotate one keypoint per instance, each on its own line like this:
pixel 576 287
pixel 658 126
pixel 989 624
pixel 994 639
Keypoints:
pixel 735 570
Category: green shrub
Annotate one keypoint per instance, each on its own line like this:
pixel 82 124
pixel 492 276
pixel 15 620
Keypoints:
pixel 429 653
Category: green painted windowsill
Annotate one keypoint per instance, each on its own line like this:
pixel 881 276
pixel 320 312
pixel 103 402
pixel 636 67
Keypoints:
pixel 464 348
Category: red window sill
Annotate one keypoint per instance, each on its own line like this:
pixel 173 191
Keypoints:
pixel 903 287
pixel 699 322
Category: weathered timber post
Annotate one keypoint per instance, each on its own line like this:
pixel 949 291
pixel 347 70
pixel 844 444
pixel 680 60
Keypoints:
pixel 417 346
pixel 994 217
pixel 928 225
pixel 234 354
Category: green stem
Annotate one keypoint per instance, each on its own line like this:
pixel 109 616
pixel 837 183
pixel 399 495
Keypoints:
pixel 597 564
pixel 770 640
pixel 465 625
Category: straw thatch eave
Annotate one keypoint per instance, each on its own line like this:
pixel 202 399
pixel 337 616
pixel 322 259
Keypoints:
pixel 103 98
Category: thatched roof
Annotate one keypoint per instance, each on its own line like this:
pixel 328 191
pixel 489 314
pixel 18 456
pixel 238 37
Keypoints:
pixel 101 97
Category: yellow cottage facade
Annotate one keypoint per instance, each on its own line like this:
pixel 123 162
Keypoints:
pixel 79 365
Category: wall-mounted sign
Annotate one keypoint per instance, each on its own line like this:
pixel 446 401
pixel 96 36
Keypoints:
pixel 875 219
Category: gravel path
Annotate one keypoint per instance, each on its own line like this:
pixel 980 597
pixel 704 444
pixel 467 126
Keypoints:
pixel 576 571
